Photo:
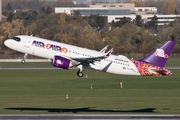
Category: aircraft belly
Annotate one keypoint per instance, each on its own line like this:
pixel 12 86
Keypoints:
pixel 122 70
pixel 119 69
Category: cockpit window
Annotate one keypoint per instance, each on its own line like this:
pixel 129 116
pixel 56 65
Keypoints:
pixel 16 39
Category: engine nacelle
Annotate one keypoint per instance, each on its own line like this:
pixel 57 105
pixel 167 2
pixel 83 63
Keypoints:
pixel 61 62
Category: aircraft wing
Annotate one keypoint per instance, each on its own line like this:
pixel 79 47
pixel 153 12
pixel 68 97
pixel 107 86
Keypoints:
pixel 89 59
pixel 93 59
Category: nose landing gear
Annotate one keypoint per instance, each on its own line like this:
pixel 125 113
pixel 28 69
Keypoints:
pixel 23 61
pixel 24 57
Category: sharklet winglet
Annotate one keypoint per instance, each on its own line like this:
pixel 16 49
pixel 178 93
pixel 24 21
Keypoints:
pixel 104 49
pixel 109 52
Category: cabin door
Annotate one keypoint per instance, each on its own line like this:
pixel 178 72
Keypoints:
pixel 28 42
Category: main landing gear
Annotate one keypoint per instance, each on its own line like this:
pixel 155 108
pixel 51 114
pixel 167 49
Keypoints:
pixel 24 57
pixel 80 73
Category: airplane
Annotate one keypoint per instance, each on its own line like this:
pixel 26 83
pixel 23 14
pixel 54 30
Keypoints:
pixel 66 56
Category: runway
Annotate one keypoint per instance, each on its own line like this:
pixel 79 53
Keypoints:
pixel 51 67
pixel 90 116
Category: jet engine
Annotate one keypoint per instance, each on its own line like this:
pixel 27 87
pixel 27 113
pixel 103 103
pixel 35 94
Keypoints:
pixel 61 62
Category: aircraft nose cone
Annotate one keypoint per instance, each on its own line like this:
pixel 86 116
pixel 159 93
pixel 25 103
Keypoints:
pixel 7 43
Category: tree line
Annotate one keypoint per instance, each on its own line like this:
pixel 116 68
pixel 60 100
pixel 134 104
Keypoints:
pixel 91 32
pixel 35 4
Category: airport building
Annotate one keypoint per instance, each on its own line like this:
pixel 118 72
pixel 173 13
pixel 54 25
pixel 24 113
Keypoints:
pixel 116 11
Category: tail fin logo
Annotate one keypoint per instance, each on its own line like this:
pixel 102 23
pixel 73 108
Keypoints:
pixel 160 53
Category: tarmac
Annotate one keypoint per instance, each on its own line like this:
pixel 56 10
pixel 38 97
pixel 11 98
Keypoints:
pixel 89 116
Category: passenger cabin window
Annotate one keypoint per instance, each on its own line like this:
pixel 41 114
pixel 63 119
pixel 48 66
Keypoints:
pixel 16 39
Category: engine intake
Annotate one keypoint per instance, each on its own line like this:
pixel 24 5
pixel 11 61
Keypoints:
pixel 61 62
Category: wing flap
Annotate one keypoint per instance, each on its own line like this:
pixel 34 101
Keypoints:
pixel 89 59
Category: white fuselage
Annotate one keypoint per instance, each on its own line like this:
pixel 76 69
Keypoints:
pixel 48 49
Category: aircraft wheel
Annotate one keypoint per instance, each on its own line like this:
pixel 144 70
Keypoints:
pixel 80 74
pixel 23 61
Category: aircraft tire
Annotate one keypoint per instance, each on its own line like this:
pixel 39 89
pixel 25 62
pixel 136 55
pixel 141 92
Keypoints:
pixel 80 74
pixel 23 61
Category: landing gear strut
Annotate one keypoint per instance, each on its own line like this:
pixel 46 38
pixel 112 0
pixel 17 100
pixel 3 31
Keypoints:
pixel 24 57
pixel 80 73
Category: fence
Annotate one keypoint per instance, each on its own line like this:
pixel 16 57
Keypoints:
pixel 17 56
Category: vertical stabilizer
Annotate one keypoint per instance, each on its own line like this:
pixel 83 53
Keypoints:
pixel 160 56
